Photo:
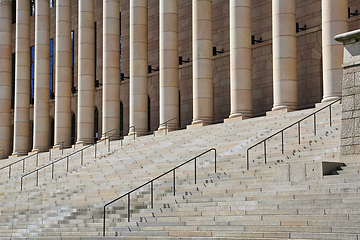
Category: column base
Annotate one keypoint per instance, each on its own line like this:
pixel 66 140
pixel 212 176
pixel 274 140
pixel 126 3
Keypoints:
pixel 18 154
pixel 199 123
pixel 82 143
pixel 330 98
pixel 237 117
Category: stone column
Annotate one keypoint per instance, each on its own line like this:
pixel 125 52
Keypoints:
pixel 22 79
pixel 169 63
pixel 334 21
pixel 111 66
pixel 86 74
pixel 203 105
pixel 63 73
pixel 42 76
pixel 284 55
pixel 138 67
pixel 5 76
pixel 240 59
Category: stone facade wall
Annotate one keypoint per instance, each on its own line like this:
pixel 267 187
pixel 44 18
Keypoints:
pixel 309 63
pixel 350 119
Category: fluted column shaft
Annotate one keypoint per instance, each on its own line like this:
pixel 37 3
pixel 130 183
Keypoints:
pixel 42 76
pixel 63 73
pixel 22 79
pixel 240 58
pixel 86 74
pixel 5 76
pixel 334 22
pixel 169 63
pixel 284 55
pixel 138 67
pixel 111 66
pixel 203 106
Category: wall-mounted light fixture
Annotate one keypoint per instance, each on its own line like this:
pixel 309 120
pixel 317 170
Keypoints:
pixel 122 77
pixel 181 61
pixel 350 14
pixel 300 28
pixel 152 69
pixel 215 52
pixel 254 41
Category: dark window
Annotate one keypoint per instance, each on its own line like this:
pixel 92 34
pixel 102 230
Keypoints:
pixel 73 128
pixel 149 113
pixel 121 117
pixel 14 11
pixel 52 133
pixel 96 123
pixel 13 82
pixel 32 7
pixel 95 55
pixel 32 67
pixel 52 68
pixel 72 60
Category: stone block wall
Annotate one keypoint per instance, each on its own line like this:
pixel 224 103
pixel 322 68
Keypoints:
pixel 350 119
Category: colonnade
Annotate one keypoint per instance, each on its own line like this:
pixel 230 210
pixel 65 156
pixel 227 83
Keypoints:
pixel 284 66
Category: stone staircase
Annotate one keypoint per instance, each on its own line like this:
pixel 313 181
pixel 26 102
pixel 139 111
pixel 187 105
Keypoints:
pixel 232 203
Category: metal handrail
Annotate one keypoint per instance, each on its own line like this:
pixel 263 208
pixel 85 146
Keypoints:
pixel 134 131
pixel 62 144
pixel 166 124
pixel 23 160
pixel 67 160
pixel 104 134
pixel 282 132
pixel 152 185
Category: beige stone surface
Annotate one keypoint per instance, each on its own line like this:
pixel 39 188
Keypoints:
pixel 334 22
pixel 63 73
pixel 284 55
pixel 240 59
pixel 22 79
pixel 203 106
pixel 169 64
pixel 86 77
pixel 5 76
pixel 138 67
pixel 111 66
pixel 41 141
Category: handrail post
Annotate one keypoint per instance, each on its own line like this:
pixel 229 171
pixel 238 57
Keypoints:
pixel 62 148
pixel 23 165
pixel 82 161
pixel 299 131
pixel 265 150
pixel 174 180
pixel 49 154
pixel 330 115
pixel 314 124
pixel 9 171
pixel 104 222
pixel 282 142
pixel 52 171
pixel 108 143
pixel 247 159
pixel 152 194
pixel 67 164
pixel 129 207
pixel 37 159
pixel 37 178
pixel 21 184
pixel 195 169
pixel 95 148
pixel 215 160
pixel 166 128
